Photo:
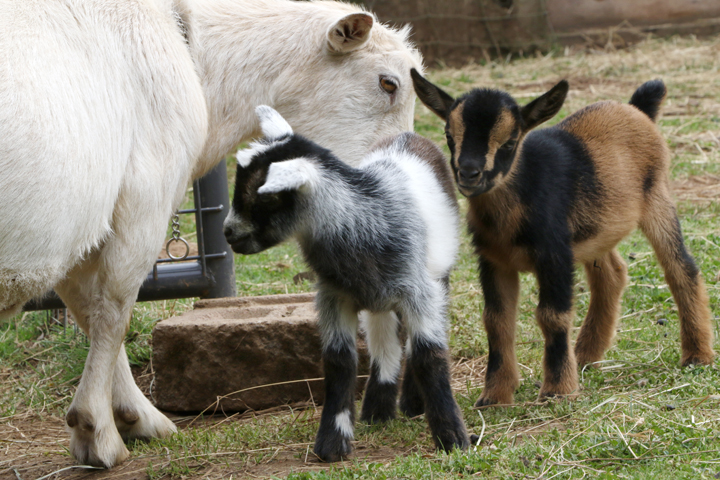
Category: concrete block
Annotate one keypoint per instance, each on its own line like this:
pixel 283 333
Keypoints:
pixel 232 350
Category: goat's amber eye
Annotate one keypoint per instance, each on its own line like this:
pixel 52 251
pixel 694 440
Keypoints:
pixel 388 84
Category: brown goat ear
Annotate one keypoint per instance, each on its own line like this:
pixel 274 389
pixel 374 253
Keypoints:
pixel 433 97
pixel 544 107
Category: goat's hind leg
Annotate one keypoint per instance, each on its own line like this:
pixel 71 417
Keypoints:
pixel 411 400
pixel 661 227
pixel 607 277
pixel 337 319
pixel 380 402
pixel 430 367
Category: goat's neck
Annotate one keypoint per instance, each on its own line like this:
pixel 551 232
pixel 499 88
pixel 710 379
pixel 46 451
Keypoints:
pixel 240 49
pixel 333 207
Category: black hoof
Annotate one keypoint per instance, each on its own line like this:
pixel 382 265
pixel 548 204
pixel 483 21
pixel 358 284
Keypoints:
pixel 332 448
pixel 456 438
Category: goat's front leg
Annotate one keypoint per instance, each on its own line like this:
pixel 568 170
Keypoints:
pixel 500 290
pixel 555 269
pixel 380 400
pixel 338 330
pixel 428 355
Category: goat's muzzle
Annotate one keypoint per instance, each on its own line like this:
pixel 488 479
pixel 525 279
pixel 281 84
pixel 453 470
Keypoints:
pixel 471 182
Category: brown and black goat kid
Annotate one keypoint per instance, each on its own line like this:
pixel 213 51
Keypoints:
pixel 544 200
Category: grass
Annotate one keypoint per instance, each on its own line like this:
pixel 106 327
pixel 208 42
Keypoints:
pixel 639 415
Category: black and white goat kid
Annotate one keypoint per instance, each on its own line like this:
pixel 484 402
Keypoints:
pixel 381 238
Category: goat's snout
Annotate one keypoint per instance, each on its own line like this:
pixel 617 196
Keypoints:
pixel 229 232
pixel 468 176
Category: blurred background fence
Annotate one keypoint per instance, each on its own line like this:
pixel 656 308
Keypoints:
pixel 457 31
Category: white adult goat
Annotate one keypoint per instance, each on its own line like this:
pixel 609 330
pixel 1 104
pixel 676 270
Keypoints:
pixel 109 107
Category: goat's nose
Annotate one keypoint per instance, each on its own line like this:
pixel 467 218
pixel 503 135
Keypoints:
pixel 468 176
pixel 228 231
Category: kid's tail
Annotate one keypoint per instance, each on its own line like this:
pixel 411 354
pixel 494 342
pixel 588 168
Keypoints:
pixel 648 98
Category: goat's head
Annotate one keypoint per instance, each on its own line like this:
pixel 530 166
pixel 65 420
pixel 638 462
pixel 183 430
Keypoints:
pixel 272 177
pixel 485 128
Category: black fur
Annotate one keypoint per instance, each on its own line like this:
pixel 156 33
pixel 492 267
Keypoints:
pixel 555 179
pixel 360 230
pixel 684 257
pixel 648 98
pixel 380 401
pixel 411 401
pixel 340 365
pixel 556 353
pixel 649 180
pixel 431 372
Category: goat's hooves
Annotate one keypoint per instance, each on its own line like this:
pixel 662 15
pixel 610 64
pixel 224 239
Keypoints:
pixel 143 425
pixel 332 448
pixel 485 401
pixel 552 395
pixel 449 439
pixel 99 446
pixel 698 359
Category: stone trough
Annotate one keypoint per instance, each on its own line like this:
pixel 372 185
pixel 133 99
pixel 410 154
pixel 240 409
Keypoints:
pixel 230 354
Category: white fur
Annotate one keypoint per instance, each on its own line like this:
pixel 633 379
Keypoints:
pixel 106 114
pixel 290 175
pixel 381 333
pixel 272 124
pixel 276 53
pixel 344 424
pixel 440 218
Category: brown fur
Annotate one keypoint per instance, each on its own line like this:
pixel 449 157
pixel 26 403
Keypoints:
pixel 624 152
pixel 629 178
pixel 500 327
pixel 456 128
pixel 607 277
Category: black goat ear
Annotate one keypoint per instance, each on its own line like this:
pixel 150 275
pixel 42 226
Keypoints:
pixel 433 97
pixel 545 106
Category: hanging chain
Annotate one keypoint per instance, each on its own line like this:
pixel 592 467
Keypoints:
pixel 177 238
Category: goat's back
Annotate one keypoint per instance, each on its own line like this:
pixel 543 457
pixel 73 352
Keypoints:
pixel 428 180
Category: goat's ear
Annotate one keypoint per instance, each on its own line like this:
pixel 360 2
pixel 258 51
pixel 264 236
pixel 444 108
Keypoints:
pixel 290 175
pixel 545 106
pixel 433 97
pixel 273 125
pixel 350 32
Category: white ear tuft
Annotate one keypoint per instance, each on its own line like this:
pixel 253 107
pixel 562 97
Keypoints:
pixel 290 175
pixel 245 157
pixel 350 32
pixel 273 125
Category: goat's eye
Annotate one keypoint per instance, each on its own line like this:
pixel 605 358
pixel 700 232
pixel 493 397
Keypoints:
pixel 450 141
pixel 509 145
pixel 388 84
pixel 269 201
